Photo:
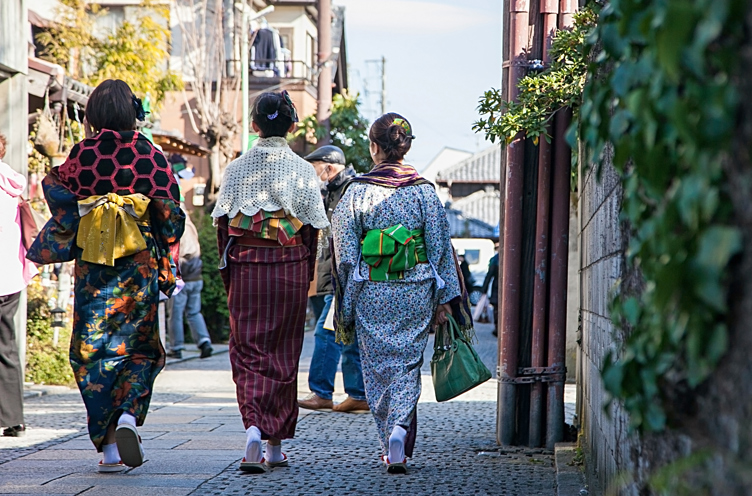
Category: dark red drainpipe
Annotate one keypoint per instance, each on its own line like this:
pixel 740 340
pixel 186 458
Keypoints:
pixel 549 15
pixel 509 330
pixel 557 315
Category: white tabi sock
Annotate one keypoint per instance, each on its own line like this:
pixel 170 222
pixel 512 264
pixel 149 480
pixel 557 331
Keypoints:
pixel 274 453
pixel 127 418
pixel 111 454
pixel 397 445
pixel 253 444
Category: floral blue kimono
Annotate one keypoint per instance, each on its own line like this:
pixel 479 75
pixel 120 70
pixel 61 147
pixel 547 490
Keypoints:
pixel 115 349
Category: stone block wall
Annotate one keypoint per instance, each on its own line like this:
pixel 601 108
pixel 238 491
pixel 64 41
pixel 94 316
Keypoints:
pixel 604 436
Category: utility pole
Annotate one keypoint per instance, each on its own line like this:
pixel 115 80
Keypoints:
pixel 245 66
pixel 324 108
pixel 383 85
pixel 381 61
pixel 228 32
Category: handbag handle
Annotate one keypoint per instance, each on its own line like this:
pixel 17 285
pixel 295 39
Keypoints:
pixel 452 329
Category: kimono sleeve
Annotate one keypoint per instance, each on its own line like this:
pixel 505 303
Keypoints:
pixel 167 225
pixel 56 241
pixel 311 241
pixel 222 239
pixel 167 220
pixel 347 231
pixel 439 244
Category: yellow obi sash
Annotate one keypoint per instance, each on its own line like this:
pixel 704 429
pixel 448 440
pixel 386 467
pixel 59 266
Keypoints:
pixel 109 227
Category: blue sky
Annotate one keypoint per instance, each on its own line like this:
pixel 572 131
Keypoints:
pixel 441 55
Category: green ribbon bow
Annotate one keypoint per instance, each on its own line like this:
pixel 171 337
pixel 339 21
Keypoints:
pixel 391 251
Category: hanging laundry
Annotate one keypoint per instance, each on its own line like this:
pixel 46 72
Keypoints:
pixel 264 54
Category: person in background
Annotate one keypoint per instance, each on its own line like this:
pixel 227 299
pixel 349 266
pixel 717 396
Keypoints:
pixel 188 300
pixel 465 269
pixel 17 272
pixel 491 278
pixel 330 164
pixel 180 168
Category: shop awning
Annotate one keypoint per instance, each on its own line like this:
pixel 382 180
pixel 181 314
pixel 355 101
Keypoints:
pixel 174 144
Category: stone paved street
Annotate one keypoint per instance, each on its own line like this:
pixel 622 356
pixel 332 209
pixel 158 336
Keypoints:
pixel 194 439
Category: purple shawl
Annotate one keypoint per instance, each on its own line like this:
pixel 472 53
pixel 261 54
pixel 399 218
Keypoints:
pixel 392 176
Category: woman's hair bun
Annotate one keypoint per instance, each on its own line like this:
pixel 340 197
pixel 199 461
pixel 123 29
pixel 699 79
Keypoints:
pixel 273 113
pixel 393 134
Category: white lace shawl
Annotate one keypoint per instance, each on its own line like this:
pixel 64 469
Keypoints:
pixel 270 177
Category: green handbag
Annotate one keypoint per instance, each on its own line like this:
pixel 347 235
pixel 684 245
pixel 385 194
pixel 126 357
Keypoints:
pixel 455 366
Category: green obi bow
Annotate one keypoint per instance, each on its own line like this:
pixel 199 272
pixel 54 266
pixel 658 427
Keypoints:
pixel 391 251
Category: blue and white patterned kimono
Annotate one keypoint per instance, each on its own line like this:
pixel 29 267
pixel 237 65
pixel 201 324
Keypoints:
pixel 392 318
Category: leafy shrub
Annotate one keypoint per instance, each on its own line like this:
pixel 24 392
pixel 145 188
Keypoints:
pixel 213 297
pixel 45 363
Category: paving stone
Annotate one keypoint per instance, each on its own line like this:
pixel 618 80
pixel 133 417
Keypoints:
pixel 38 477
pixel 30 489
pixel 236 444
pixel 161 428
pixel 170 419
pixel 137 491
pixel 130 479
pixel 222 419
pixel 215 435
pixel 185 464
pixel 178 454
pixel 64 454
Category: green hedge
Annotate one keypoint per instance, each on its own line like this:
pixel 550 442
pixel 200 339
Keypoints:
pixel 213 297
pixel 45 363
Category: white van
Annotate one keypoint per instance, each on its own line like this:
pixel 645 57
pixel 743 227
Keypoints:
pixel 478 252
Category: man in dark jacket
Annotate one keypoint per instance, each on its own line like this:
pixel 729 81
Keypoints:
pixel 329 162
pixel 491 276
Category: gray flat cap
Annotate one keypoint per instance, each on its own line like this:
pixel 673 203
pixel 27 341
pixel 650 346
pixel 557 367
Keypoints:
pixel 329 153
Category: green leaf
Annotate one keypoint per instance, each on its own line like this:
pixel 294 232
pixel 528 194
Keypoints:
pixel 718 343
pixel 717 245
pixel 613 376
pixel 655 417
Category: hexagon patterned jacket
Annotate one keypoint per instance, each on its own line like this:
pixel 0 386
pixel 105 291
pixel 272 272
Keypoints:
pixel 118 162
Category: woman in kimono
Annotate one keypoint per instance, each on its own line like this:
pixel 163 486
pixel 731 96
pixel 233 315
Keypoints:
pixel 115 207
pixel 268 212
pixel 391 301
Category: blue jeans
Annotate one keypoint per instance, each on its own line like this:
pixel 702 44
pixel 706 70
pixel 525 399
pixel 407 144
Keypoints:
pixel 326 355
pixel 188 300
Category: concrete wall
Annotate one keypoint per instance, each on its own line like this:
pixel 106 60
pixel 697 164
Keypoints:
pixel 573 295
pixel 14 35
pixel 14 105
pixel 605 439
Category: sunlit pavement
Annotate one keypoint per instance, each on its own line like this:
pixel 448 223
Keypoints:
pixel 194 439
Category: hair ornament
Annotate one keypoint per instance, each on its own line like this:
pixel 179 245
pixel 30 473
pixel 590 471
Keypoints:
pixel 293 110
pixel 404 125
pixel 273 116
pixel 138 107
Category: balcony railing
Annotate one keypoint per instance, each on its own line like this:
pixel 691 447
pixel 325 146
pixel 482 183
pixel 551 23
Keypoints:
pixel 275 69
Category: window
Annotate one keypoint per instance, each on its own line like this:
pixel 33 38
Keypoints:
pixel 472 256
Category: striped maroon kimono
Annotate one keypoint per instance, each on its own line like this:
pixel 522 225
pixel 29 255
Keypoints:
pixel 267 293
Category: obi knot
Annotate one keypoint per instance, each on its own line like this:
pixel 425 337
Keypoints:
pixel 109 227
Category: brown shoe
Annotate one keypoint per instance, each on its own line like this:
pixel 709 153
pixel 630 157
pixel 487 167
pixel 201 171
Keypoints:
pixel 352 406
pixel 314 402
